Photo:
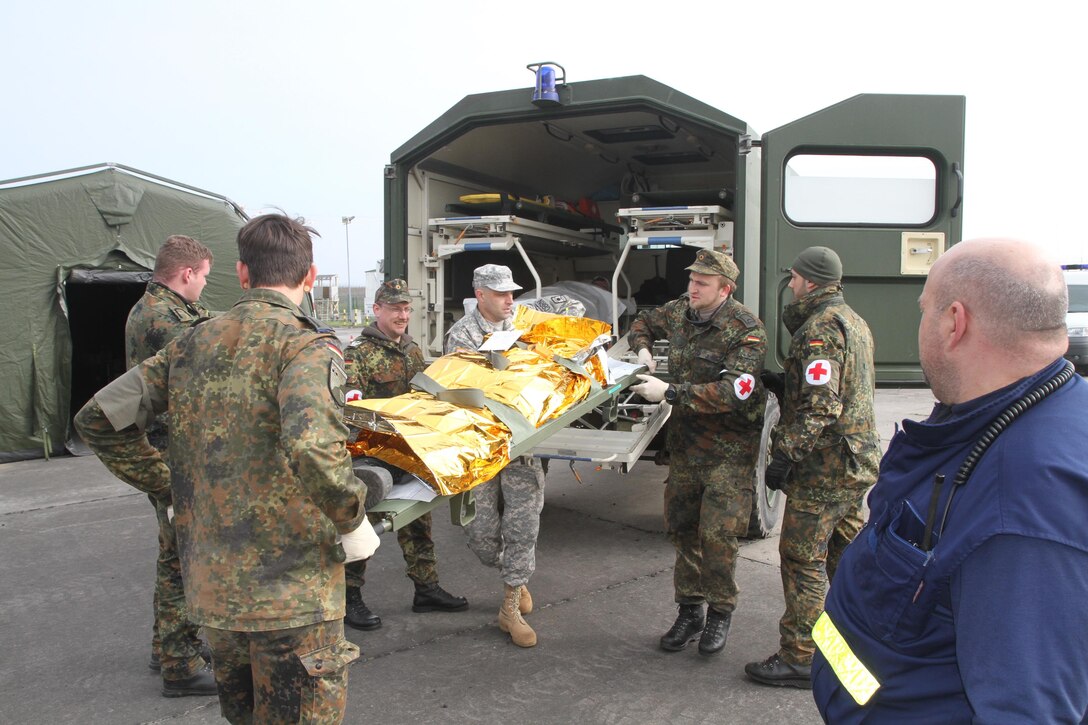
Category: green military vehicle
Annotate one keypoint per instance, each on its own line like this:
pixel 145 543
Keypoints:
pixel 626 178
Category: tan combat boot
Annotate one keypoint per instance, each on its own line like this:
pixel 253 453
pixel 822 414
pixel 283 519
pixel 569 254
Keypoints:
pixel 510 619
pixel 526 605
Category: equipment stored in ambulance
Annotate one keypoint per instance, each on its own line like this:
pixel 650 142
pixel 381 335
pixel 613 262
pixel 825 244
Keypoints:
pixel 615 184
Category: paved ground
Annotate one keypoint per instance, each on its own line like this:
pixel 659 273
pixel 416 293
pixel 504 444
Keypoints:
pixel 75 614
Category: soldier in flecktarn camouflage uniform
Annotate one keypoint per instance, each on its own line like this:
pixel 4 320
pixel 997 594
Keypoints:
pixel 504 532
pixel 716 351
pixel 826 452
pixel 380 364
pixel 260 481
pixel 168 308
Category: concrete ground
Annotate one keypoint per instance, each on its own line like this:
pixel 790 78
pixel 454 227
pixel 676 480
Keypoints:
pixel 75 613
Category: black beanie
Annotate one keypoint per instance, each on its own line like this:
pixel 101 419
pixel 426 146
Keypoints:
pixel 818 265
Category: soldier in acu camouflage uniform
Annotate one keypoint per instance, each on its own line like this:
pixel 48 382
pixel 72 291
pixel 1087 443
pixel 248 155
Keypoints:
pixel 380 364
pixel 260 480
pixel 168 308
pixel 716 351
pixel 826 452
pixel 504 532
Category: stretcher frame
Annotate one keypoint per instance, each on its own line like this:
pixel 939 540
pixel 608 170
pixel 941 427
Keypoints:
pixel 627 449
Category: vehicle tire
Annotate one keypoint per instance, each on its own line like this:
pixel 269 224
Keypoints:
pixel 767 506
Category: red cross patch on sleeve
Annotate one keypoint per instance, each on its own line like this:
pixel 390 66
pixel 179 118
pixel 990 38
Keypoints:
pixel 818 372
pixel 743 386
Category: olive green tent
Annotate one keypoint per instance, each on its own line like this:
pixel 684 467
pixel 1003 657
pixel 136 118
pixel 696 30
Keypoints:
pixel 76 250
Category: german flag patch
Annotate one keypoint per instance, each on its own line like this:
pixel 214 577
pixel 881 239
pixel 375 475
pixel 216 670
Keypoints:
pixel 752 338
pixel 816 344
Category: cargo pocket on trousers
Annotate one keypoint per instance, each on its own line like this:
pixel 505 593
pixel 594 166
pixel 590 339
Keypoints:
pixel 327 689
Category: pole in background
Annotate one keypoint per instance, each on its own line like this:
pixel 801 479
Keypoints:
pixel 347 243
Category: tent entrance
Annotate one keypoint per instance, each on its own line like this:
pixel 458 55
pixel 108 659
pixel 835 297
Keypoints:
pixel 98 306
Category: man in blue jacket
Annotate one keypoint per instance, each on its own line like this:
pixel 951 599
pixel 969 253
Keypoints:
pixel 963 598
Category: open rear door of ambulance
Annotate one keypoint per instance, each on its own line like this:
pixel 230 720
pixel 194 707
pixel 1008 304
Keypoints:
pixel 879 179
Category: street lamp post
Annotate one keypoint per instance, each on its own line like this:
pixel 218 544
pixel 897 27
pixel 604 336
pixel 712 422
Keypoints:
pixel 347 243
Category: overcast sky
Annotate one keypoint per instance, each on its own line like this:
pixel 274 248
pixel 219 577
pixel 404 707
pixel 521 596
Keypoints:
pixel 299 104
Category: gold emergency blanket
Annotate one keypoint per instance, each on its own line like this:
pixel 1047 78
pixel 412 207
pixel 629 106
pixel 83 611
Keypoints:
pixel 567 337
pixel 450 447
pixel 532 385
pixel 455 448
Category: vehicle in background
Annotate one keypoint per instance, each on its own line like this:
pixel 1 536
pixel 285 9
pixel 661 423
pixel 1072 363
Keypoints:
pixel 1076 278
pixel 626 179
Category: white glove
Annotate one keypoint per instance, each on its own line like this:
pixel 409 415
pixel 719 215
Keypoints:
pixel 651 388
pixel 645 357
pixel 361 543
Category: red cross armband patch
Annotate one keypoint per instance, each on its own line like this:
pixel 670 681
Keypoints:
pixel 818 372
pixel 743 386
pixel 353 395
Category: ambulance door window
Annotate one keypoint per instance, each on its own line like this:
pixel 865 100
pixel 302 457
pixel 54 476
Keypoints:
pixel 823 189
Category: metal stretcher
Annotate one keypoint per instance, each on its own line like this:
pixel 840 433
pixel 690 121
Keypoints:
pixel 617 450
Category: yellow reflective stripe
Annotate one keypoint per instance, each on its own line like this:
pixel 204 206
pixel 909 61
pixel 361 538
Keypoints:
pixel 853 675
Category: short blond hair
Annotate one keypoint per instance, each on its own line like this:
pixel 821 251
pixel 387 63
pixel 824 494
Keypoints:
pixel 177 253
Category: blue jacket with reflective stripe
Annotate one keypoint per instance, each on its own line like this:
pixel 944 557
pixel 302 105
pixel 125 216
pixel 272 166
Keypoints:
pixel 905 613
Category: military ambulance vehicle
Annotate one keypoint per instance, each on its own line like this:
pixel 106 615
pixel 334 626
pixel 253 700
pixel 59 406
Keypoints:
pixel 626 178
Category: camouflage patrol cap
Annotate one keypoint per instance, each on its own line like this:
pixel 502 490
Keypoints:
pixel 495 277
pixel 819 265
pixel 392 292
pixel 710 261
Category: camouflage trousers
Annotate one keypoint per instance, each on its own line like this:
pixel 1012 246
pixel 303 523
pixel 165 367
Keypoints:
pixel 503 533
pixel 174 639
pixel 416 545
pixel 706 509
pixel 814 535
pixel 283 676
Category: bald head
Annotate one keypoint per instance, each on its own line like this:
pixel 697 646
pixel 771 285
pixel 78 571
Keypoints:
pixel 993 312
pixel 1013 290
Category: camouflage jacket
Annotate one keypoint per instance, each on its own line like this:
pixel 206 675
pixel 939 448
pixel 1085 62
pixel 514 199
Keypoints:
pixel 260 476
pixel 715 367
pixel 377 367
pixel 156 319
pixel 468 333
pixel 159 316
pixel 828 424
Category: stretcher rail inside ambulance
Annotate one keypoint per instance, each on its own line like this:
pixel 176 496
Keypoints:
pixel 650 227
pixel 470 413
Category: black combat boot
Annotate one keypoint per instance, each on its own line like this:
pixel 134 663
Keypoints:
pixel 776 671
pixel 688 625
pixel 357 614
pixel 433 598
pixel 717 629
pixel 201 682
